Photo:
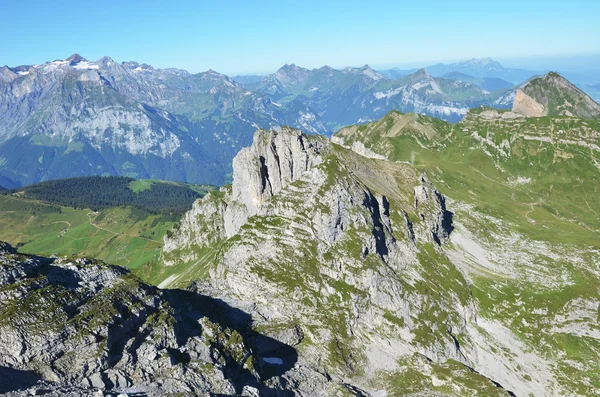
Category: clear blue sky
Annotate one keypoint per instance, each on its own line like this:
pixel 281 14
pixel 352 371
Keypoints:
pixel 259 36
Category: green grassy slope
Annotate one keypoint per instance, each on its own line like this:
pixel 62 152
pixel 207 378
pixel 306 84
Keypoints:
pixel 125 236
pixel 526 193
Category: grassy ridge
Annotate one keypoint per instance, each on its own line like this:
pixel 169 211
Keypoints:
pixel 539 178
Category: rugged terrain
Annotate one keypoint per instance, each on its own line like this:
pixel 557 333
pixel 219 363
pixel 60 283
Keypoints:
pixel 408 256
pixel 84 327
pixel 415 256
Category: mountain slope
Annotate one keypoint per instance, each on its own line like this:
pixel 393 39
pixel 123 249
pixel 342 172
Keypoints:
pixel 524 193
pixel 553 95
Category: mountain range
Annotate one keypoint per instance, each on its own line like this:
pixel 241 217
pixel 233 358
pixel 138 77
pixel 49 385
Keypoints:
pixel 75 117
pixel 405 256
pixel 358 95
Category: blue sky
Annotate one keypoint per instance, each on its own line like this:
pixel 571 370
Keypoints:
pixel 259 36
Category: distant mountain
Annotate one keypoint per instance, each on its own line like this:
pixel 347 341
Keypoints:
pixel 247 79
pixel 358 95
pixel 487 83
pixel 553 95
pixel 593 90
pixel 481 68
pixel 396 73
pixel 74 117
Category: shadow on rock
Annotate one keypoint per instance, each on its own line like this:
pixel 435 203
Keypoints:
pixel 272 357
pixel 15 380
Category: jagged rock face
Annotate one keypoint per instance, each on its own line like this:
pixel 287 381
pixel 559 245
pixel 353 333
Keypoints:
pixel 93 326
pixel 337 245
pixel 282 158
pixel 553 95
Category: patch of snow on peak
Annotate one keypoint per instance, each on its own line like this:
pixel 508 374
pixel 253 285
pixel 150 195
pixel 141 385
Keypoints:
pixel 85 65
pixel 428 82
pixel 140 69
pixel 51 66
pixel 387 94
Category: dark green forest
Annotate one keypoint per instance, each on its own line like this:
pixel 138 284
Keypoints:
pixel 100 192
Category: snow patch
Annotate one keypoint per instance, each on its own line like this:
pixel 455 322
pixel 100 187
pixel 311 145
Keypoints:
pixel 387 94
pixel 85 65
pixel 273 360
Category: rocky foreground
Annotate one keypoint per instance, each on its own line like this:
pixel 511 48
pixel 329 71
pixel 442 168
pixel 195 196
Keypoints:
pixel 81 327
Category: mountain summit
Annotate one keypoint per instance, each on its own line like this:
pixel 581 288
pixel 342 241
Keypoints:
pixel 553 95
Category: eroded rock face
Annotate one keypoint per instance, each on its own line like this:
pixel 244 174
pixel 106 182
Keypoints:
pixel 274 160
pixel 527 106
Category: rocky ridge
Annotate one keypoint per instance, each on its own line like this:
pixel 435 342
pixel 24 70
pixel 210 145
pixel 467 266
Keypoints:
pixel 348 253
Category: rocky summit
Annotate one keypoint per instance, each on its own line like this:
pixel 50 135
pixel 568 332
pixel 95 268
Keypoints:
pixel 553 95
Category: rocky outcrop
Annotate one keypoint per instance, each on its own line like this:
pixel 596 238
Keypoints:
pixel 431 206
pixel 274 160
pixel 260 171
pixel 326 248
pixel 80 326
